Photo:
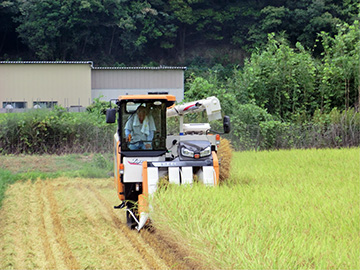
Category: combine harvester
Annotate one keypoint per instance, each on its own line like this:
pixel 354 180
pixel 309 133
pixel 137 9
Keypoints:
pixel 139 163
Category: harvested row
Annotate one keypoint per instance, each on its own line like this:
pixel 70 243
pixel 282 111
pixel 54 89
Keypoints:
pixel 70 224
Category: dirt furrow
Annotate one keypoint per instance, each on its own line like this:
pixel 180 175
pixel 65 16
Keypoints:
pixel 69 259
pixel 150 257
pixel 170 254
pixel 50 231
pixel 50 259
pixel 119 251
pixel 175 256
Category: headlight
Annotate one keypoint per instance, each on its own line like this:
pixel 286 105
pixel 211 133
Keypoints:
pixel 186 152
pixel 206 152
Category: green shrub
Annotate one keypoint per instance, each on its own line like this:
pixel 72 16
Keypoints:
pixel 56 131
pixel 251 130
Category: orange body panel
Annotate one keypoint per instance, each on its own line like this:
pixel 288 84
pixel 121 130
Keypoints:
pixel 216 167
pixel 143 202
pixel 117 177
pixel 145 188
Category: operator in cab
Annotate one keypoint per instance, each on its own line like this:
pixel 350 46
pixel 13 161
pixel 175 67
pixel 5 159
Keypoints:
pixel 139 130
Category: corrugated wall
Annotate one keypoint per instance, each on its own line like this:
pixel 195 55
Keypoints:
pixel 77 84
pixel 112 83
pixel 68 84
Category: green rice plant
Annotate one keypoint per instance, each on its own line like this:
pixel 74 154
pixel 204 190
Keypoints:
pixel 295 209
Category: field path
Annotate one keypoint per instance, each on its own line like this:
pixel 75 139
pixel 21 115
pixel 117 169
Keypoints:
pixel 71 224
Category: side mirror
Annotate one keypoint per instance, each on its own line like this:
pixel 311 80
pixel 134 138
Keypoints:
pixel 110 116
pixel 226 124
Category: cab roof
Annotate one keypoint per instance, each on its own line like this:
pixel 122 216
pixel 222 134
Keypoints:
pixel 170 99
pixel 139 97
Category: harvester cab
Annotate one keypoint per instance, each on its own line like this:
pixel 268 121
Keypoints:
pixel 144 152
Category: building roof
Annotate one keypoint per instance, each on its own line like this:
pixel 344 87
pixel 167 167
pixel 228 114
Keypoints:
pixel 140 68
pixel 92 65
pixel 47 62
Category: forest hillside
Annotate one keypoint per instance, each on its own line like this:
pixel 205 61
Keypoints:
pixel 158 32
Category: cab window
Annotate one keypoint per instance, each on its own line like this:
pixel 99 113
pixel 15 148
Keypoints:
pixel 143 126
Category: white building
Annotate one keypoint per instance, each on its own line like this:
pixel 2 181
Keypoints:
pixel 29 84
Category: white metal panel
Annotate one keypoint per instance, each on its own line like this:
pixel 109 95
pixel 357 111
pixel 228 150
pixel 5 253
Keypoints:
pixel 133 167
pixel 186 175
pixel 206 175
pixel 153 178
pixel 174 175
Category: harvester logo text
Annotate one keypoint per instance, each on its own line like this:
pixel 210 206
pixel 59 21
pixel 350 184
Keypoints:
pixel 136 162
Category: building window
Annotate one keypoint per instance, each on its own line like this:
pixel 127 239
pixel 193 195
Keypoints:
pixel 44 104
pixel 14 105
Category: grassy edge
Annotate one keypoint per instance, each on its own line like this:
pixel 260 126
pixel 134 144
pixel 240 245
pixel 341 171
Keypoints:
pixel 98 166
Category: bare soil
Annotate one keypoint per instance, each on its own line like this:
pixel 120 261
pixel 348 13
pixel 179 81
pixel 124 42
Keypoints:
pixel 71 224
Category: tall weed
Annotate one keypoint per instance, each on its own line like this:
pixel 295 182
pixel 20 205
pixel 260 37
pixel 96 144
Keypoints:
pixel 333 130
pixel 57 131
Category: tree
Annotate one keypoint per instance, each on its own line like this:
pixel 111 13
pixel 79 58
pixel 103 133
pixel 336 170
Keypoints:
pixel 301 20
pixel 76 28
pixel 143 31
pixel 7 26
pixel 340 85
pixel 273 20
pixel 280 79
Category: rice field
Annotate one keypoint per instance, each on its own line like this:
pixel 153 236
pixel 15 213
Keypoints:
pixel 295 209
pixel 70 223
